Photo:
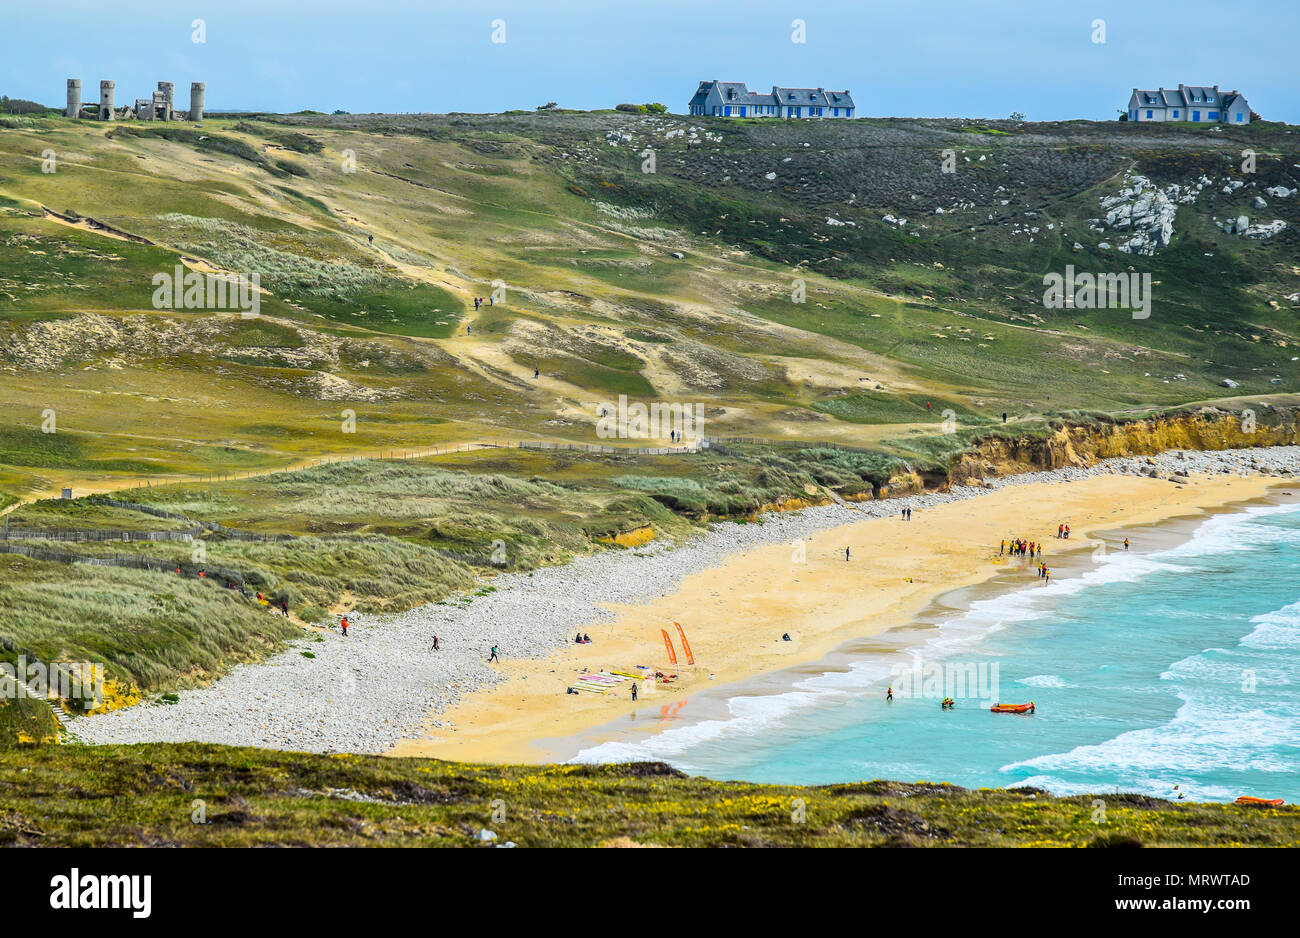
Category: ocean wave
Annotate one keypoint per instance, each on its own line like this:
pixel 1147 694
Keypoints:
pixel 1204 736
pixel 1275 630
pixel 1044 680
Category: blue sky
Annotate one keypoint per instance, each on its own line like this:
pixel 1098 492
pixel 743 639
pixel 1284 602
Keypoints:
pixel 924 58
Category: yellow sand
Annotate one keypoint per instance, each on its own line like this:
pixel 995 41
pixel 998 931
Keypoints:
pixel 734 613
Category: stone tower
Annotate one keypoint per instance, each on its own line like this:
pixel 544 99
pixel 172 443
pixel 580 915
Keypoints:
pixel 196 101
pixel 106 100
pixel 168 90
pixel 74 98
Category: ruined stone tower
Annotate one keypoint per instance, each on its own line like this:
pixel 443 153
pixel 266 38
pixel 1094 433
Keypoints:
pixel 196 101
pixel 106 100
pixel 167 89
pixel 74 98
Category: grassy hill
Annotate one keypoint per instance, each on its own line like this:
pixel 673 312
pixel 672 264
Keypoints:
pixel 946 309
pixel 800 281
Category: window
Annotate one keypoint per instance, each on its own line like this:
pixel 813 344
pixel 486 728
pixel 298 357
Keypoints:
pixel 726 111
pixel 1148 115
pixel 1238 117
pixel 1175 113
pixel 742 112
pixel 1214 115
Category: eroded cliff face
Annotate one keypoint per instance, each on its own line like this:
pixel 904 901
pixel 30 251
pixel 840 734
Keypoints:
pixel 1206 429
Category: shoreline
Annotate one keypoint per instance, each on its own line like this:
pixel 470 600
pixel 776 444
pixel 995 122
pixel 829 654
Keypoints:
pixel 733 587
pixel 910 638
pixel 516 723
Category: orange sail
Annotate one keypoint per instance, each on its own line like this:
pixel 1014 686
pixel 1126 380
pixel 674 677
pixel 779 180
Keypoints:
pixel 668 643
pixel 686 646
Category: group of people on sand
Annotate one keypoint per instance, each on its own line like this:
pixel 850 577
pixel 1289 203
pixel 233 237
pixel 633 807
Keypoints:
pixel 582 638
pixel 1063 530
pixel 1044 572
pixel 1019 547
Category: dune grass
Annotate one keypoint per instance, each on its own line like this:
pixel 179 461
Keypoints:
pixel 149 629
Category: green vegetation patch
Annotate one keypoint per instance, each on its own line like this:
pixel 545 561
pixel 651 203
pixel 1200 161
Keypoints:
pixel 127 795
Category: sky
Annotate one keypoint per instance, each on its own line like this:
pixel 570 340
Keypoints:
pixel 903 58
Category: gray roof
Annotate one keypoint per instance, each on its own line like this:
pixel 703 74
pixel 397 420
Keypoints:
pixel 812 97
pixel 1186 96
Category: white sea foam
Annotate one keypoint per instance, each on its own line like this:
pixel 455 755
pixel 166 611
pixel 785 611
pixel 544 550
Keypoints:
pixel 1044 680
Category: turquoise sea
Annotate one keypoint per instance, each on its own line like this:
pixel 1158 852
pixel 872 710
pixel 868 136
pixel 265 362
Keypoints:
pixel 1178 666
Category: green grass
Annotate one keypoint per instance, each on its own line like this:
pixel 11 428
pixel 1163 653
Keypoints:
pixel 876 407
pixel 148 795
pixel 150 629
pixel 25 720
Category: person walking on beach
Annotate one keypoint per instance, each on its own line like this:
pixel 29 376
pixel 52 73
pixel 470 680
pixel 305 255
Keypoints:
pixel 889 693
pixel 1060 531
pixel 493 657
pixel 634 691
pixel 1126 543
pixel 846 555
pixel 436 646
pixel 344 624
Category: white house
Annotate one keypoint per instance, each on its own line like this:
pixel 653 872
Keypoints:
pixel 733 99
pixel 1197 104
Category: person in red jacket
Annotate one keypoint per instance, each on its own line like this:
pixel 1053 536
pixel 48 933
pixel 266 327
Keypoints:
pixel 344 623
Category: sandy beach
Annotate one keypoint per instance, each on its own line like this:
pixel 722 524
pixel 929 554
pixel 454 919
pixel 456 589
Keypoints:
pixel 734 613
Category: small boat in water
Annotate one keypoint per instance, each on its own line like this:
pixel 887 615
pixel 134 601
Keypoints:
pixel 1272 802
pixel 1013 708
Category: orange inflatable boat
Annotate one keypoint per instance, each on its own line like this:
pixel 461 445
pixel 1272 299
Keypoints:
pixel 1273 802
pixel 1013 708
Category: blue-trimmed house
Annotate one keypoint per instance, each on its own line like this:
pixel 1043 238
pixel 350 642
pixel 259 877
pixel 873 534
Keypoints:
pixel 733 99
pixel 1197 104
